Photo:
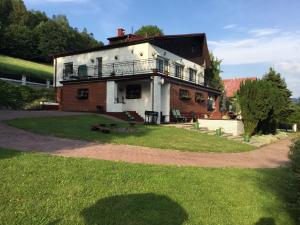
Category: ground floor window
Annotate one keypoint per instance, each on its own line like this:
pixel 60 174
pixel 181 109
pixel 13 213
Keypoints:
pixel 83 93
pixel 133 91
pixel 211 103
pixel 184 94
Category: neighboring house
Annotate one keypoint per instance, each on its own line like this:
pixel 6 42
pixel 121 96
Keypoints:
pixel 231 86
pixel 138 74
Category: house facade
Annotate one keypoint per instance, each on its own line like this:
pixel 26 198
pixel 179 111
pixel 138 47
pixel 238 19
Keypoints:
pixel 137 74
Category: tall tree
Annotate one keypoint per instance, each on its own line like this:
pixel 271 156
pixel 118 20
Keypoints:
pixel 275 78
pixel 213 74
pixel 149 31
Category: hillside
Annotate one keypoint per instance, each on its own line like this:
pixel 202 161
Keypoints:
pixel 14 68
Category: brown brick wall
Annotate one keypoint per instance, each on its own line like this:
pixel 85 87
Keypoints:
pixel 187 106
pixel 97 97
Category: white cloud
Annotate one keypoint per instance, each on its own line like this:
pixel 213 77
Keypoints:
pixel 264 31
pixel 281 51
pixel 229 26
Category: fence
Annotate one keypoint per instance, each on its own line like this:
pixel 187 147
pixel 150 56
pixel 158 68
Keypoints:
pixel 26 81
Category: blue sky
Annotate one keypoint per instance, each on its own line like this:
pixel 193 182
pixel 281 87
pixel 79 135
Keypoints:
pixel 249 36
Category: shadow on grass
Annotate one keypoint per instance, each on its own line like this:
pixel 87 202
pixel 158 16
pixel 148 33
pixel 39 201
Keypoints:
pixel 265 221
pixel 7 153
pixel 282 183
pixel 131 209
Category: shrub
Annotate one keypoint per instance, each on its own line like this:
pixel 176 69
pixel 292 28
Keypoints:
pixel 295 164
pixel 16 97
pixel 261 103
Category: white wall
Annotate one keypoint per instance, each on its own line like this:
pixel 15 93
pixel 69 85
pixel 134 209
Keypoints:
pixel 138 105
pixel 234 127
pixel 127 53
pixel 177 59
pixel 165 100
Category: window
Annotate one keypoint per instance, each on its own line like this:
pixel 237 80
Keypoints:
pixel 199 98
pixel 83 93
pixel 184 94
pixel 99 66
pixel 211 103
pixel 133 91
pixel 178 71
pixel 160 65
pixel 192 75
pixel 68 68
pixel 163 65
pixel 82 71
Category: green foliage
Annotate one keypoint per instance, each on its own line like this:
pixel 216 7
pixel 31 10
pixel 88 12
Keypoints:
pixel 261 103
pixel 280 83
pixel 294 117
pixel 295 163
pixel 16 97
pixel 213 74
pixel 149 31
pixel 11 66
pixel 32 35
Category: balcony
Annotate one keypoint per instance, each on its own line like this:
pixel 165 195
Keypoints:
pixel 132 68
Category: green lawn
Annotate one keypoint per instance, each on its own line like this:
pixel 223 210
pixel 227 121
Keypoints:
pixel 13 65
pixel 41 189
pixel 78 127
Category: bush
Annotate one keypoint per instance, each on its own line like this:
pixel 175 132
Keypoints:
pixel 261 103
pixel 17 97
pixel 295 164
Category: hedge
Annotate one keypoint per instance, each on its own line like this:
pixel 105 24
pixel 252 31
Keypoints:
pixel 295 164
pixel 19 97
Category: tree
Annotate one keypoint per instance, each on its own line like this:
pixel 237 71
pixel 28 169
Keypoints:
pixel 213 74
pixel 280 83
pixel 149 31
pixel 261 103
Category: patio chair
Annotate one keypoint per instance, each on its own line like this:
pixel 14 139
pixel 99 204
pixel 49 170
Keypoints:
pixel 177 116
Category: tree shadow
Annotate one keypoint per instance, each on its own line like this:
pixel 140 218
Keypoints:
pixel 135 209
pixel 282 183
pixel 7 153
pixel 265 221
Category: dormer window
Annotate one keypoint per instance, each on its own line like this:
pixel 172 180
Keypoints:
pixel 192 75
pixel 178 70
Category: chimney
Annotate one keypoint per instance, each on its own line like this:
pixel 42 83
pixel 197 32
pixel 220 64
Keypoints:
pixel 120 32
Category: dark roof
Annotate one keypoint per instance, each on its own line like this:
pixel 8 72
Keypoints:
pixel 176 44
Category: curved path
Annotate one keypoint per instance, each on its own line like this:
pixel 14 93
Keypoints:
pixel 270 156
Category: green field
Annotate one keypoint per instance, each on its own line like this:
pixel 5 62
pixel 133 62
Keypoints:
pixel 41 189
pixel 163 137
pixel 10 65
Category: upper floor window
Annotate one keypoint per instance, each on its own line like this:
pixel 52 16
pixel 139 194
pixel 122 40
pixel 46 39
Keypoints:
pixel 82 71
pixel 192 75
pixel 68 68
pixel 178 71
pixel 99 66
pixel 163 65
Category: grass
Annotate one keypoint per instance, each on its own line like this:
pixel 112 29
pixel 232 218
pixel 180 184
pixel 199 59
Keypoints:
pixel 163 137
pixel 41 189
pixel 11 65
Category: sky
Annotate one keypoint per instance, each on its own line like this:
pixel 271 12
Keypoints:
pixel 249 36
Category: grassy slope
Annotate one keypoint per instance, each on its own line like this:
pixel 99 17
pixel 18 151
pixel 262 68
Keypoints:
pixel 41 189
pixel 12 65
pixel 78 127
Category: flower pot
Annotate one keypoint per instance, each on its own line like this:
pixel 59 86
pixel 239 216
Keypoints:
pixel 218 132
pixel 197 125
pixel 246 138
